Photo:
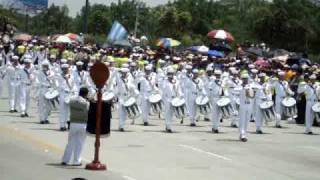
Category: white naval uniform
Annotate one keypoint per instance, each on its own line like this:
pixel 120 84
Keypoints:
pixel 215 92
pixel 124 90
pixel 44 83
pixel 245 111
pixel 2 77
pixel 171 90
pixel 66 87
pixel 193 88
pixel 12 73
pixel 310 92
pixel 282 90
pixel 147 85
pixel 26 78
pixel 260 97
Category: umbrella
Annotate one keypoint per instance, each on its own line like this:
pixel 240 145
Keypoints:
pixel 74 37
pixel 278 52
pixel 220 34
pixel 167 42
pixel 261 63
pixel 215 53
pixel 254 51
pixel 221 47
pixel 123 43
pixel 63 39
pixel 22 37
pixel 200 49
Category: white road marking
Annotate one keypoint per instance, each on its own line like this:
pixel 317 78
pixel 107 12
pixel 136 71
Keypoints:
pixel 205 152
pixel 128 178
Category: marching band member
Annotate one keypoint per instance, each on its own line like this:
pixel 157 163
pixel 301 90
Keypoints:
pixel 246 96
pixel 26 78
pixel 41 55
pixel 215 93
pixel 194 87
pixel 45 80
pixel 282 90
pixel 80 76
pixel 67 88
pixel 309 88
pixel 2 73
pixel 124 89
pixel 12 73
pixel 172 89
pixel 148 83
pixel 234 85
pixel 54 66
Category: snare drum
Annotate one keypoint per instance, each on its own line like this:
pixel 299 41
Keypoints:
pixel 203 104
pixel 225 107
pixel 51 94
pixel 290 107
pixel 132 108
pixel 107 96
pixel 179 106
pixel 316 110
pixel 156 103
pixel 268 112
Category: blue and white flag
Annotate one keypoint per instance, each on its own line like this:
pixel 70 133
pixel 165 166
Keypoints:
pixel 117 32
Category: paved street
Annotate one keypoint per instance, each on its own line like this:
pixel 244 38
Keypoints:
pixel 29 150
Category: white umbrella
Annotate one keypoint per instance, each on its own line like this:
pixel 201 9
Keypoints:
pixel 63 39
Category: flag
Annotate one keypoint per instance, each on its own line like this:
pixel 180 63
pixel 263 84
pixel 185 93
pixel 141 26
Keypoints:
pixel 117 32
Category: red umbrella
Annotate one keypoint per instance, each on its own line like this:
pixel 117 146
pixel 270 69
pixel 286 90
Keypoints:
pixel 261 63
pixel 22 37
pixel 221 34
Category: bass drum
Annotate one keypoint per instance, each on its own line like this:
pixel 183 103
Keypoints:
pixel 179 106
pixel 290 107
pixel 107 96
pixel 132 108
pixel 268 112
pixel 203 105
pixel 156 103
pixel 316 110
pixel 226 108
pixel 51 94
pixel 105 118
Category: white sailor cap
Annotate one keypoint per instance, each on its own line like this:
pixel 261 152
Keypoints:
pixel 262 75
pixel 255 71
pixel 41 46
pixel 217 72
pixel 195 71
pixel 170 70
pixel 79 63
pixel 27 56
pixel 281 73
pixel 45 63
pixel 52 56
pixel 125 65
pixel 70 59
pixel 27 60
pixel 15 57
pixel 90 64
pixel 313 77
pixel 188 66
pixel 64 61
pixel 161 61
pixel 238 61
pixel 64 66
pixel 124 70
pixel 107 63
pixel 30 45
pixel 167 57
pixel 148 67
pixel 133 64
pixel 251 66
pixel 209 68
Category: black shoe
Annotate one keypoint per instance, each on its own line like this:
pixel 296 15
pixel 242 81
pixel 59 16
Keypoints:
pixel 252 120
pixel 23 115
pixel 278 126
pixel 47 122
pixel 68 125
pixel 64 164
pixel 26 115
pixel 11 111
pixel 243 139
pixel 15 111
pixel 234 126
pixel 63 129
pixel 193 125
pixel 206 119
pixel 77 164
pixel 310 133
pixel 216 131
pixel 121 129
pixel 42 122
pixel 146 124
pixel 259 132
pixel 168 130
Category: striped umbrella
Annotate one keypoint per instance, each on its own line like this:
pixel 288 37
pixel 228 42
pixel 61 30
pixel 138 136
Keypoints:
pixel 167 42
pixel 74 37
pixel 221 34
pixel 22 37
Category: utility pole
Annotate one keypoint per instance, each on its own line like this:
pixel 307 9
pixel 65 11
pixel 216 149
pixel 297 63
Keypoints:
pixel 137 19
pixel 85 22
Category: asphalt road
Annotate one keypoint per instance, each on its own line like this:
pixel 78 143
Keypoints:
pixel 29 150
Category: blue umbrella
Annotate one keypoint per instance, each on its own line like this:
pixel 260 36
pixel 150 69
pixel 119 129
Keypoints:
pixel 215 53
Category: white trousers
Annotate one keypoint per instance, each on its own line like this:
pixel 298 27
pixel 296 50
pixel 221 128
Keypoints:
pixel 245 114
pixel 64 111
pixel 278 109
pixel 44 108
pixel 168 110
pixel 1 86
pixel 215 115
pixel 13 96
pixel 309 116
pixel 258 118
pixel 192 109
pixel 76 140
pixel 24 98
pixel 145 108
pixel 122 115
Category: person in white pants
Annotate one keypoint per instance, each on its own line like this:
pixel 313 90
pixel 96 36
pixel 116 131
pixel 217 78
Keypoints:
pixel 246 96
pixel 79 107
pixel 12 73
pixel 2 74
pixel 124 89
pixel 26 78
pixel 172 89
pixel 311 90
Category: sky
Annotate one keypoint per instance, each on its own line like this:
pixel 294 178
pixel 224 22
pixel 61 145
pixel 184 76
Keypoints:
pixel 75 5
